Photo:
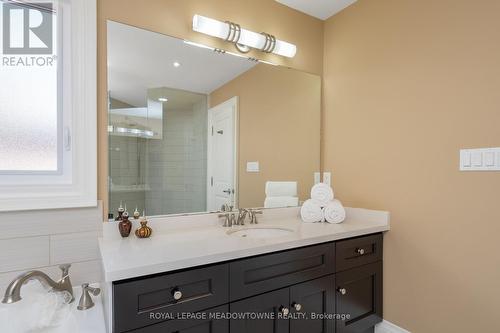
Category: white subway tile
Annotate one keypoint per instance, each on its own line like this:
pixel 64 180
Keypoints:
pixel 74 247
pixel 47 222
pixel 23 253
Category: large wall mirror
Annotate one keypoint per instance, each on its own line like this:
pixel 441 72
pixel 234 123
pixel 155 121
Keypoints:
pixel 192 128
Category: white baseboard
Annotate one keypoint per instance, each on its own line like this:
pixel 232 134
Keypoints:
pixel 388 327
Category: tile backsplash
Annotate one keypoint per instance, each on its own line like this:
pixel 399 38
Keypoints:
pixel 43 240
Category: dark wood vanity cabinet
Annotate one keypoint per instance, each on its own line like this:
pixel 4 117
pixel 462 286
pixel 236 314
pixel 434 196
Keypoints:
pixel 309 299
pixel 333 287
pixel 288 309
pixel 359 294
pixel 273 271
pixel 268 310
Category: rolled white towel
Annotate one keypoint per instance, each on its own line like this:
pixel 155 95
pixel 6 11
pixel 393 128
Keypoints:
pixel 334 212
pixel 321 194
pixel 277 202
pixel 311 212
pixel 281 189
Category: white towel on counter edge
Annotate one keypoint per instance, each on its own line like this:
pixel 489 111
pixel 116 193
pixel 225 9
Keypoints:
pixel 311 212
pixel 281 202
pixel 281 189
pixel 322 194
pixel 334 212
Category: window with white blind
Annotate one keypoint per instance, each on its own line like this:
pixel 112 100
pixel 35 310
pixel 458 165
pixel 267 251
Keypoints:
pixel 47 104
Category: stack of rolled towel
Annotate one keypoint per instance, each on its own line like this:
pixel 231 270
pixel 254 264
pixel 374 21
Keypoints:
pixel 322 207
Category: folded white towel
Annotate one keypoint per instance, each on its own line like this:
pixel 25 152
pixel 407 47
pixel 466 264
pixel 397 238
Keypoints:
pixel 311 212
pixel 334 212
pixel 281 189
pixel 277 202
pixel 321 194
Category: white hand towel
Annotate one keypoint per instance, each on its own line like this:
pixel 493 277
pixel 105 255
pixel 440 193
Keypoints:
pixel 281 189
pixel 334 212
pixel 321 194
pixel 311 212
pixel 277 202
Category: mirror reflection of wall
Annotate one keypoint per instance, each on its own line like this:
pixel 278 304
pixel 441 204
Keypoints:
pixel 191 129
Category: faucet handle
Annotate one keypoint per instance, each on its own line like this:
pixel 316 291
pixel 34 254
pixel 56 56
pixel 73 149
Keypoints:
pixel 65 269
pixel 227 219
pixel 86 301
pixel 242 213
pixel 253 215
pixel 92 290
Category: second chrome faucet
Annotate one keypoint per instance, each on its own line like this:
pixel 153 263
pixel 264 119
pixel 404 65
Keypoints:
pixel 237 218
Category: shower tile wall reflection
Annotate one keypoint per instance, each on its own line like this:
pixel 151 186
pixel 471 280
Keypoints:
pixel 177 163
pixel 162 167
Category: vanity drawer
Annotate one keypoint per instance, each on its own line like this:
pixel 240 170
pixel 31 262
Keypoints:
pixel 358 251
pixel 273 271
pixel 189 291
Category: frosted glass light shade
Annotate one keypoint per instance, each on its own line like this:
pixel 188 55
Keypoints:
pixel 249 38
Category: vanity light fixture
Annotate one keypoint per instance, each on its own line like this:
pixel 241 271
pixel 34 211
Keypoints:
pixel 162 99
pixel 131 131
pixel 242 38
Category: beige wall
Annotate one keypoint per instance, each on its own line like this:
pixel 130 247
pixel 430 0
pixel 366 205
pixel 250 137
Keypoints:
pixel 173 17
pixel 406 84
pixel 279 121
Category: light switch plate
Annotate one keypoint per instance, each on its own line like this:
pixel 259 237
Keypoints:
pixel 327 178
pixel 253 166
pixel 317 178
pixel 480 159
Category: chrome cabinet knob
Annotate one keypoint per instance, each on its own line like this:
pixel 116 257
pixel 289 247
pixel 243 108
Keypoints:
pixel 360 251
pixel 284 311
pixel 342 291
pixel 297 306
pixel 177 294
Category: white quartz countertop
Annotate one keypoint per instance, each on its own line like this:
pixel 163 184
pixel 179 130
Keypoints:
pixel 190 241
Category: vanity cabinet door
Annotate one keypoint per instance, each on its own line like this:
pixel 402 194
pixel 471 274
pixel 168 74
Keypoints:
pixel 269 306
pixel 359 294
pixel 205 322
pixel 310 300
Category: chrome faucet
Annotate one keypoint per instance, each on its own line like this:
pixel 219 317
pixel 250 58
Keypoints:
pixel 253 215
pixel 228 219
pixel 242 213
pixel 238 217
pixel 13 291
pixel 226 208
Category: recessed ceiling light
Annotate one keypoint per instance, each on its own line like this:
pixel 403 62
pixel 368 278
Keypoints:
pixel 177 64
pixel 162 99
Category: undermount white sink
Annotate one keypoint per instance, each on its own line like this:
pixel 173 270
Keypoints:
pixel 260 232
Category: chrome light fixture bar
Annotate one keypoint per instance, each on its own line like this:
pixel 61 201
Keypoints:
pixel 131 131
pixel 242 38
